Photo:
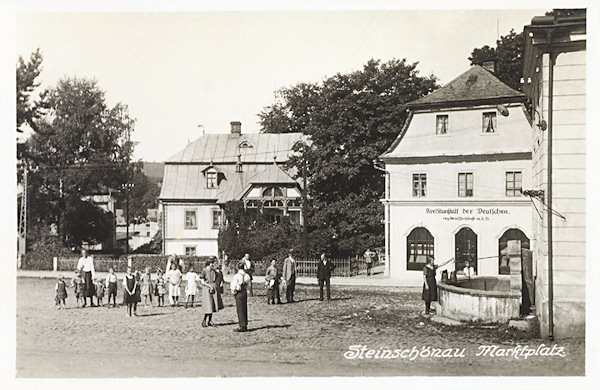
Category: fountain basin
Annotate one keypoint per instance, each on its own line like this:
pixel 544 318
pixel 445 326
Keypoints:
pixel 482 298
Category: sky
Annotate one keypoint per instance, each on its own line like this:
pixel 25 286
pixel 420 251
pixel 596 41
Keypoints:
pixel 184 72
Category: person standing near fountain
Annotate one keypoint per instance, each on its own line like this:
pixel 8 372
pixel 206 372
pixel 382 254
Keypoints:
pixel 429 283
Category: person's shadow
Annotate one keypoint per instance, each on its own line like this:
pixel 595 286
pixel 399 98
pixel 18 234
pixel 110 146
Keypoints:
pixel 268 327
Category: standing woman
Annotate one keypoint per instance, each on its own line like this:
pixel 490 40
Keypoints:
pixel 429 283
pixel 209 287
pixel 219 282
pixel 86 266
pixel 129 295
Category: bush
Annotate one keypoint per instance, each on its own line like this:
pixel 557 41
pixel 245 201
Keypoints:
pixel 41 253
pixel 138 261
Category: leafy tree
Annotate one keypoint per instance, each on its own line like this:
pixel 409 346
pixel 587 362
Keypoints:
pixel 507 57
pixel 349 119
pixel 81 148
pixel 142 196
pixel 28 111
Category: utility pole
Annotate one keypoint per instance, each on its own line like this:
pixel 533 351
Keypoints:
pixel 304 215
pixel 23 219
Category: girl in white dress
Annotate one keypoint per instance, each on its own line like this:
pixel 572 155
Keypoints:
pixel 192 286
pixel 174 281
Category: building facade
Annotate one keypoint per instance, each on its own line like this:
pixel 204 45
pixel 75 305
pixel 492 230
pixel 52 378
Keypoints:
pixel 454 177
pixel 554 79
pixel 215 169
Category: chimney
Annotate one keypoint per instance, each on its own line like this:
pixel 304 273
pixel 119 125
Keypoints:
pixel 236 127
pixel 490 66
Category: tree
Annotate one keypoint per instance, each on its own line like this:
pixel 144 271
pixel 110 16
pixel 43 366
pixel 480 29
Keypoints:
pixel 81 148
pixel 142 196
pixel 507 57
pixel 350 119
pixel 27 73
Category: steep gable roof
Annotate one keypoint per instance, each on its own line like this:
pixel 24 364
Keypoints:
pixel 273 174
pixel 476 85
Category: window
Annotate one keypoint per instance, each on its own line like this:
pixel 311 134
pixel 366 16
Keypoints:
pixel 514 183
pixel 190 251
pixel 270 192
pixel 211 179
pixel 465 184
pixel 216 218
pixel 190 219
pixel 441 124
pixel 489 122
pixel 419 184
pixel 419 245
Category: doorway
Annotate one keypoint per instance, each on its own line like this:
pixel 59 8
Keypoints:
pixel 465 244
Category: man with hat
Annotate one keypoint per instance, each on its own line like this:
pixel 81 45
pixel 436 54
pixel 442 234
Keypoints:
pixel 238 289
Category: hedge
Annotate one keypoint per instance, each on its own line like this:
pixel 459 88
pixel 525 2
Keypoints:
pixel 138 261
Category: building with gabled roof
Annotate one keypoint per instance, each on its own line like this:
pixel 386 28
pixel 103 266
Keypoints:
pixel 454 177
pixel 217 168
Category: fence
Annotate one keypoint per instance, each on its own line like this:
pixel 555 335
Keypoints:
pixel 308 267
pixel 103 262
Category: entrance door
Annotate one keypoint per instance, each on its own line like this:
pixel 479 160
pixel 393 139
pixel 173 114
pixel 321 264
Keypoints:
pixel 465 244
pixel 510 234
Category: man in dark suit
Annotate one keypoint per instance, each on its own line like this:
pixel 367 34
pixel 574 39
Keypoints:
pixel 324 271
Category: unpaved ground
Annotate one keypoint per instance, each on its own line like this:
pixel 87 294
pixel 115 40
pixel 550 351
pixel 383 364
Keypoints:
pixel 307 338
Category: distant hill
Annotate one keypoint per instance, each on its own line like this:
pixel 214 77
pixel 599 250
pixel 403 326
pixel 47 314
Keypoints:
pixel 154 170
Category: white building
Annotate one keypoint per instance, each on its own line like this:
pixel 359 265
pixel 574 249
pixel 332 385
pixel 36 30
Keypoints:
pixel 555 81
pixel 454 175
pixel 217 168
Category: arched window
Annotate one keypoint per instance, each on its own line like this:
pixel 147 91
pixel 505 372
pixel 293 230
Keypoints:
pixel 419 245
pixel 509 235
pixel 271 192
pixel 465 246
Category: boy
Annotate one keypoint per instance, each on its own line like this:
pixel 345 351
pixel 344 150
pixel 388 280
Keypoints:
pixel 78 285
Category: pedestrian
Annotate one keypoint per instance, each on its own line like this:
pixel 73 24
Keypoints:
pixel 61 292
pixel 289 276
pixel 249 270
pixel 272 284
pixel 219 282
pixel 429 283
pixel 238 289
pixel 160 287
pixel 86 266
pixel 174 281
pixel 78 285
pixel 209 290
pixel 191 286
pixel 324 271
pixel 177 261
pixel 146 286
pixel 111 285
pixel 99 287
pixel 369 259
pixel 129 295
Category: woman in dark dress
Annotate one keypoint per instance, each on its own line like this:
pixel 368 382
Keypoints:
pixel 429 283
pixel 129 293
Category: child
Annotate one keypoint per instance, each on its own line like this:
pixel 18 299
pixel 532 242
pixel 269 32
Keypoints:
pixel 190 289
pixel 174 280
pixel 99 291
pixel 160 288
pixel 111 285
pixel 61 292
pixel 130 286
pixel 78 285
pixel 146 287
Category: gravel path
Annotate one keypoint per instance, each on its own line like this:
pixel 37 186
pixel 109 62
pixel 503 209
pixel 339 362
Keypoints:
pixel 307 338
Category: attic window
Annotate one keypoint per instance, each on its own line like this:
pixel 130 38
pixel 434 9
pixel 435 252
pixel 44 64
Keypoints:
pixel 245 145
pixel 489 122
pixel 441 124
pixel 211 178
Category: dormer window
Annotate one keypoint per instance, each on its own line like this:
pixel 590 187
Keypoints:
pixel 245 145
pixel 211 179
pixel 441 124
pixel 489 122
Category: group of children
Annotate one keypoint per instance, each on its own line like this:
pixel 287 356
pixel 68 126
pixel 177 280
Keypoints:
pixel 136 286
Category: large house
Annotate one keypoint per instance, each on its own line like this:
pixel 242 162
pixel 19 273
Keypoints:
pixel 554 78
pixel 215 169
pixel 454 177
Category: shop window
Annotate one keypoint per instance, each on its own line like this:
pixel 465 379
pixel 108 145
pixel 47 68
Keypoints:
pixel 441 124
pixel 514 183
pixel 489 122
pixel 190 219
pixel 419 245
pixel 190 251
pixel 465 184
pixel 419 181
